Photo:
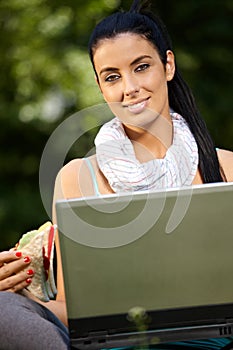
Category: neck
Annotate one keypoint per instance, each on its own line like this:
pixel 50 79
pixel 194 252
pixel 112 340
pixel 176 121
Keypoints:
pixel 156 138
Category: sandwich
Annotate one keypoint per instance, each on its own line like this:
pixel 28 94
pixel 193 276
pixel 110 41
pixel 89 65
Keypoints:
pixel 39 246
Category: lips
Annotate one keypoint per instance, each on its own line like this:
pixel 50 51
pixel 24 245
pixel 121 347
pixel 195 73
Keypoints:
pixel 137 107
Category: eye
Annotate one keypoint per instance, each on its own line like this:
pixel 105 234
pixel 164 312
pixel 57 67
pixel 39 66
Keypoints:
pixel 112 77
pixel 142 67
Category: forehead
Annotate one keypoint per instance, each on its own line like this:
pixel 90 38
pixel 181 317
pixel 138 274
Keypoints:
pixel 125 46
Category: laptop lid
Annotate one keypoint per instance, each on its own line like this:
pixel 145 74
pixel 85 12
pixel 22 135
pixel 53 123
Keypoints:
pixel 148 267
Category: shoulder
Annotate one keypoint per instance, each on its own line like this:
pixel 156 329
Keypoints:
pixel 70 179
pixel 226 161
pixel 75 179
pixel 68 172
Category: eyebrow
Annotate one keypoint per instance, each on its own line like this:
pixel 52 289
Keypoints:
pixel 113 69
pixel 140 58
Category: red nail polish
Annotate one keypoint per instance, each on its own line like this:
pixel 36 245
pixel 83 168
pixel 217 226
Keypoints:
pixel 28 280
pixel 18 254
pixel 27 259
pixel 30 272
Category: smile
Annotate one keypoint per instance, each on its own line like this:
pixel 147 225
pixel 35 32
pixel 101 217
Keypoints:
pixel 137 107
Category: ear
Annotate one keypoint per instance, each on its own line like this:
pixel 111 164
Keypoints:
pixel 170 65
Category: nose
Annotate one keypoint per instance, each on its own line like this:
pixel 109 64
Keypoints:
pixel 131 86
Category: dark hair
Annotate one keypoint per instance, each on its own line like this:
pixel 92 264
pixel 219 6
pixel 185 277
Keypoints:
pixel 140 20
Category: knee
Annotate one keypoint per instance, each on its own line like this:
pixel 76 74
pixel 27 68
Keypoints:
pixel 10 302
pixel 7 298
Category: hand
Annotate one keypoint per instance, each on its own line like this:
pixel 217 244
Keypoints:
pixel 15 272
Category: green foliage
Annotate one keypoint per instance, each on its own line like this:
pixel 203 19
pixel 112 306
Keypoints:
pixel 46 76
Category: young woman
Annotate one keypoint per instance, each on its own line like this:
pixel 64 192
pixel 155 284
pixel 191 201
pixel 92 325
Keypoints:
pixel 157 140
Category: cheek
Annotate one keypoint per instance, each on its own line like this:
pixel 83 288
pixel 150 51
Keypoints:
pixel 112 94
pixel 156 80
pixel 159 87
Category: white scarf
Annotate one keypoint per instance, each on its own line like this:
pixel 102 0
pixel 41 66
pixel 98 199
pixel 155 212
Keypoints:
pixel 116 159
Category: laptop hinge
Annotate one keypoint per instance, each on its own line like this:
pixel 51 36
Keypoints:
pixel 227 329
pixel 97 337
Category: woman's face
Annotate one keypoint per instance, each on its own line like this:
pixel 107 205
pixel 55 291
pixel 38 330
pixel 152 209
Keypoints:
pixel 132 77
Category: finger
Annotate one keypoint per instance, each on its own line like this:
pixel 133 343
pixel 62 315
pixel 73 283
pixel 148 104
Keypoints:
pixel 14 267
pixel 8 256
pixel 20 286
pixel 17 282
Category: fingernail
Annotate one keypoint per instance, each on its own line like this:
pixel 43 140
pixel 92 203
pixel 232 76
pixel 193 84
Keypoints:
pixel 30 272
pixel 26 259
pixel 18 254
pixel 29 280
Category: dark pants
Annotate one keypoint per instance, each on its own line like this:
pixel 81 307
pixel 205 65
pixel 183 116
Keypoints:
pixel 25 324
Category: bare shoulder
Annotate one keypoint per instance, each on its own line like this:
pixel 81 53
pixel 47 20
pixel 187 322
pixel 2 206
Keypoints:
pixel 74 179
pixel 67 184
pixel 226 161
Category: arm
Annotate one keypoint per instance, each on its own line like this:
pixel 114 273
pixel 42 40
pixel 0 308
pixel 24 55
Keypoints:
pixel 226 162
pixel 66 186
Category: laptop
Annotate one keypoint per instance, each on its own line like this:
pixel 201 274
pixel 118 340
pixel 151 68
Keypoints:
pixel 148 267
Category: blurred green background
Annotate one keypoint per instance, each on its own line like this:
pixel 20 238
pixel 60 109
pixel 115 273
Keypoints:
pixel 46 77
